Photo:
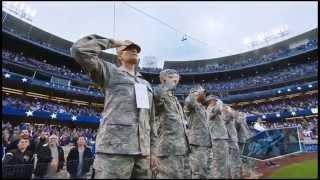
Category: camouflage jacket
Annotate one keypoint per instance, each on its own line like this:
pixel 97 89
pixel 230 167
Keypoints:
pixel 217 125
pixel 243 129
pixel 171 132
pixel 198 132
pixel 123 129
pixel 230 120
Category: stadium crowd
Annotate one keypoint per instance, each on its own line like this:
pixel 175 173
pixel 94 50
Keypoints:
pixel 280 106
pixel 308 126
pixel 268 78
pixel 24 35
pixel 245 62
pixel 292 72
pixel 47 106
pixel 39 135
pixel 42 65
pixel 66 134
pixel 44 144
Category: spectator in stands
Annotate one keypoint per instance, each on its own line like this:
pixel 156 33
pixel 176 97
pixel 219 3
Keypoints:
pixel 50 159
pixel 79 159
pixel 6 138
pixel 24 133
pixel 18 163
pixel 41 140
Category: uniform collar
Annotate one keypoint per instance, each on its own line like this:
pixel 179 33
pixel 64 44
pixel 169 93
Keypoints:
pixel 138 74
pixel 170 93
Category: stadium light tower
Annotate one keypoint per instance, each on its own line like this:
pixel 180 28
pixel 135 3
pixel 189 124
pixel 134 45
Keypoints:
pixel 266 37
pixel 19 10
pixel 246 41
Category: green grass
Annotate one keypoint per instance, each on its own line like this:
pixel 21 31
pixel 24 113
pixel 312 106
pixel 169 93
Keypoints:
pixel 305 169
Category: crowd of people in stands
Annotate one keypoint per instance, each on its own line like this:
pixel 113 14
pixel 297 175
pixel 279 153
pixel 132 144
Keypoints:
pixel 26 143
pixel 48 106
pixel 277 106
pixel 42 65
pixel 292 72
pixel 245 62
pixel 283 105
pixel 309 127
pixel 66 134
pixel 24 35
pixel 210 68
pixel 268 78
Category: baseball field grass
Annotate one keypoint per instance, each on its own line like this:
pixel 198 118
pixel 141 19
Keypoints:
pixel 305 169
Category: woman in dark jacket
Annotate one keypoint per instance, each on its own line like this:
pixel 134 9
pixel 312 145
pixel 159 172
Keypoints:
pixel 79 159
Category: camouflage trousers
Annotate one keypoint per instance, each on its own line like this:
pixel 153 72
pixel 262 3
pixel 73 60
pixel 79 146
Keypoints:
pixel 199 161
pixel 234 161
pixel 218 166
pixel 187 167
pixel 246 163
pixel 114 166
pixel 172 167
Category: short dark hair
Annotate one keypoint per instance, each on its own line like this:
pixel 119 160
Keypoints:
pixel 24 138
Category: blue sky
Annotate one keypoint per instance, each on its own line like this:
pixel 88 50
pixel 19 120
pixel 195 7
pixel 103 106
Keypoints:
pixel 220 26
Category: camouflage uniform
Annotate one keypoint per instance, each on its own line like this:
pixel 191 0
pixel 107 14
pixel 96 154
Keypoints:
pixel 244 134
pixel 234 162
pixel 123 139
pixel 199 137
pixel 219 136
pixel 171 146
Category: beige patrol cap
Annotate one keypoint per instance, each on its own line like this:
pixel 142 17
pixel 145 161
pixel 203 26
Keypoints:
pixel 132 45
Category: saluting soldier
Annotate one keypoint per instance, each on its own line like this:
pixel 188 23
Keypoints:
pixel 198 133
pixel 234 162
pixel 123 139
pixel 219 137
pixel 171 146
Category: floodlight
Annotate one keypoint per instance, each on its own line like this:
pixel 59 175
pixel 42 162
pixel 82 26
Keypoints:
pixel 16 4
pixel 275 31
pixel 33 13
pixel 278 115
pixel 246 41
pixel 28 10
pixel 261 36
pixel 22 5
pixel 310 85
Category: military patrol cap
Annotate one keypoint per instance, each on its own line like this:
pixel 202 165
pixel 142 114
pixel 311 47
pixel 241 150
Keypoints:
pixel 132 45
pixel 166 72
pixel 197 88
pixel 211 97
